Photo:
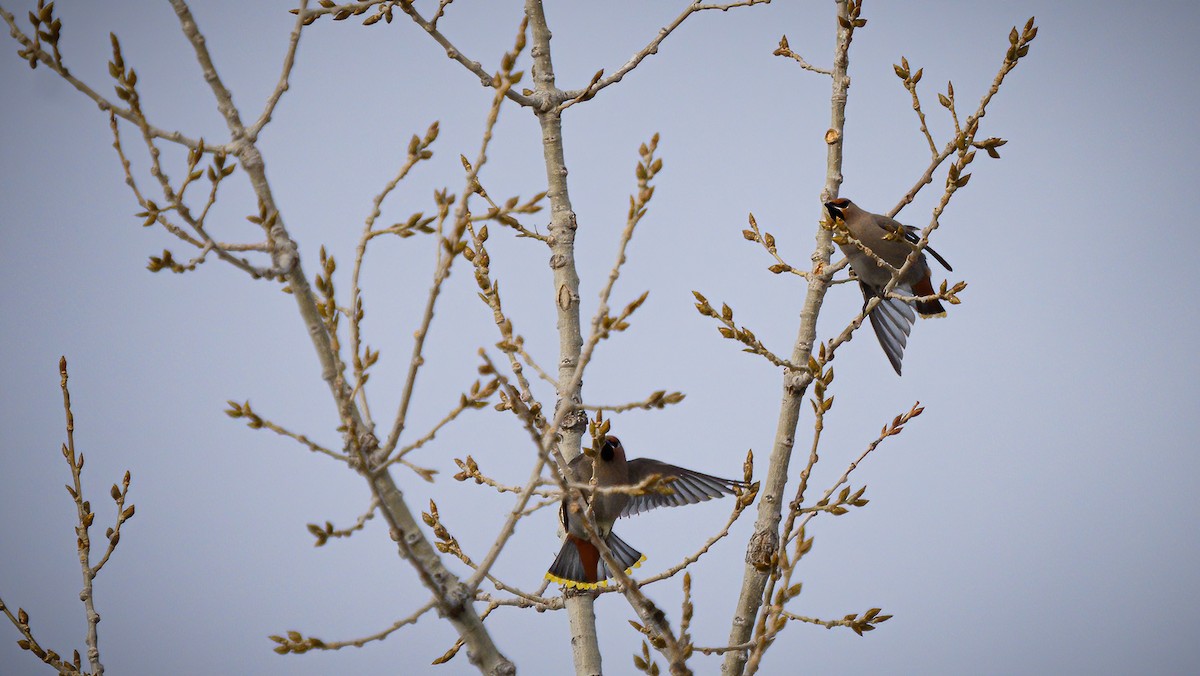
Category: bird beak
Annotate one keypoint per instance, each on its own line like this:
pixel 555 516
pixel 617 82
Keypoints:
pixel 835 212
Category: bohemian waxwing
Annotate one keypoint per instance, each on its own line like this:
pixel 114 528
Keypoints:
pixel 578 563
pixel 891 241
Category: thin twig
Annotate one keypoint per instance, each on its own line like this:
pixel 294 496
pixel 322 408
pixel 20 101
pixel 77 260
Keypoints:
pixel 441 11
pixel 456 54
pixel 417 151
pixel 503 215
pixel 657 400
pixel 255 421
pixel 323 534
pixel 478 397
pixel 528 359
pixel 85 516
pixel 102 102
pixel 767 240
pixel 910 83
pixel 785 50
pixel 573 96
pixel 137 193
pixel 450 246
pixel 296 643
pixel 688 560
pixel 289 60
pixel 470 470
pixel 1017 50
pixel 769 624
pixel 731 331
pixel 50 657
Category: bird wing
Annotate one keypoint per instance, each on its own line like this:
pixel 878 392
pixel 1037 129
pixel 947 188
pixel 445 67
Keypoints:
pixel 687 488
pixel 913 236
pixel 892 320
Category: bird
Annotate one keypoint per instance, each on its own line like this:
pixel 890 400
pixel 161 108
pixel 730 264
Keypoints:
pixel 578 563
pixel 891 241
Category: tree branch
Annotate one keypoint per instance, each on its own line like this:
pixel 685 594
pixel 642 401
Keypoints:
pixel 585 649
pixel 456 54
pixel 453 601
pixel 765 541
pixel 452 245
pixel 573 96
pixel 289 60
pixel 102 102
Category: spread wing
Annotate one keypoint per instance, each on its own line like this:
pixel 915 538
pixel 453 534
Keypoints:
pixel 687 488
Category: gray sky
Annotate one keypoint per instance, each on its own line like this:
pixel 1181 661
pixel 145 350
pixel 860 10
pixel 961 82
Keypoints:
pixel 1037 518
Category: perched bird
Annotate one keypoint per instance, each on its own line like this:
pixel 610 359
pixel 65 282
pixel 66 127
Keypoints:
pixel 892 242
pixel 578 563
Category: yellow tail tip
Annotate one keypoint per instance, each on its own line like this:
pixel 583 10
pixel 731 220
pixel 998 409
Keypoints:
pixel 575 583
pixel 935 315
pixel 579 584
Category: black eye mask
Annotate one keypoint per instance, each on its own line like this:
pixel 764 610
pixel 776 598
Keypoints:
pixel 607 451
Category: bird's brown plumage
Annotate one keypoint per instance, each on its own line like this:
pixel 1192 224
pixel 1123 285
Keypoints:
pixel 579 563
pixel 892 242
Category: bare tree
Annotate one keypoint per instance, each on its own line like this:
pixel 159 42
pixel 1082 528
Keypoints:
pixel 175 198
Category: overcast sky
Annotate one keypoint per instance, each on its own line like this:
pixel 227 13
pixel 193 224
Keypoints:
pixel 1038 518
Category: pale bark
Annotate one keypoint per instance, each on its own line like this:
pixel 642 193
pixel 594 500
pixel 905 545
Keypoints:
pixel 580 610
pixel 764 543
pixel 453 600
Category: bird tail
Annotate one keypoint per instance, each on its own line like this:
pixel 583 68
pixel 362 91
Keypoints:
pixel 892 321
pixel 928 308
pixel 626 556
pixel 578 563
